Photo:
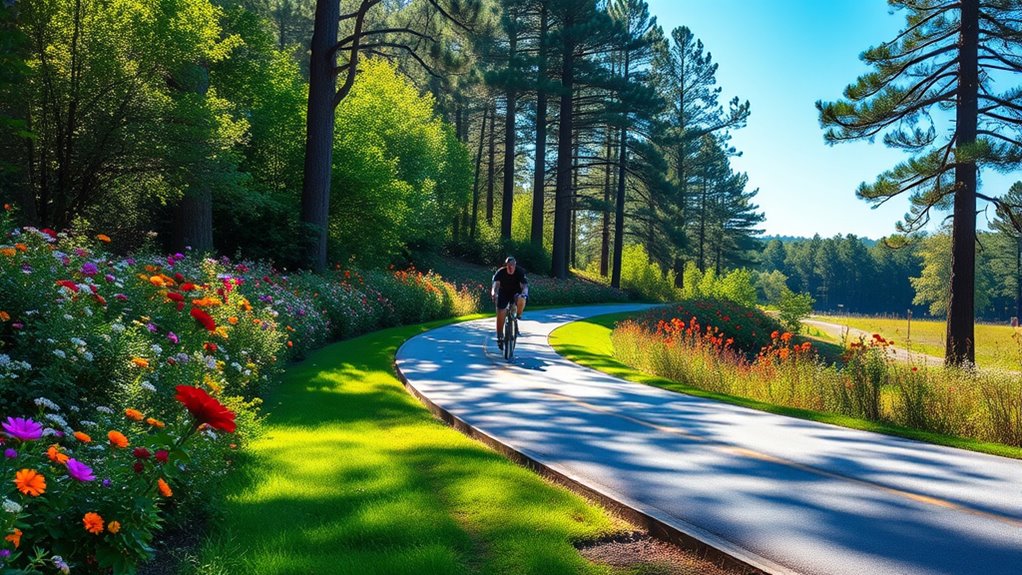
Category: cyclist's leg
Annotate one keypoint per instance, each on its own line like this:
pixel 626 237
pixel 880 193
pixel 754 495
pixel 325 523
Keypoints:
pixel 501 314
pixel 521 304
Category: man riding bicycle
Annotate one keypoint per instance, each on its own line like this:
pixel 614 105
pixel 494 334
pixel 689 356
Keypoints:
pixel 509 284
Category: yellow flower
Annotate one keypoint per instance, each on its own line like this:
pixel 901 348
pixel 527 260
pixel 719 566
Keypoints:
pixel 113 527
pixel 93 523
pixel 222 332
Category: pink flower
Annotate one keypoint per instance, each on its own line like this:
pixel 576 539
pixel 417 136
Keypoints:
pixel 23 429
pixel 79 471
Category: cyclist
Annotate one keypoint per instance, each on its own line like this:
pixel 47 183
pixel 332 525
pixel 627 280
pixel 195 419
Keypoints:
pixel 509 284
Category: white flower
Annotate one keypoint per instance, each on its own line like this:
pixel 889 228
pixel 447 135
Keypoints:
pixel 49 432
pixel 157 349
pixel 77 341
pixel 73 408
pixel 247 372
pixel 86 423
pixel 210 362
pixel 11 506
pixel 60 353
pixel 237 366
pixel 4 359
pixel 56 419
pixel 87 355
pixel 148 386
pixel 46 404
pixel 88 311
pixel 106 337
pixel 105 409
pixel 117 327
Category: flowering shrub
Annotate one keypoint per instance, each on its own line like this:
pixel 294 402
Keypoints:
pixel 748 328
pixel 87 497
pixel 871 385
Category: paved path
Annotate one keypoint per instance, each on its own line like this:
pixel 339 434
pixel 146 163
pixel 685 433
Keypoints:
pixel 787 495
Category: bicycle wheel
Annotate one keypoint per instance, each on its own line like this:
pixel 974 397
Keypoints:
pixel 514 339
pixel 509 338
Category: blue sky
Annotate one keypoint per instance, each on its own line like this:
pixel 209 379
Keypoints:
pixel 783 56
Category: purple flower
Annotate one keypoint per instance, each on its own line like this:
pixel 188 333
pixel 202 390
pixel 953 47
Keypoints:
pixel 107 482
pixel 151 327
pixel 110 278
pixel 79 471
pixel 170 261
pixel 5 553
pixel 121 297
pixel 26 269
pixel 17 325
pixel 80 252
pixel 173 337
pixel 179 256
pixel 90 269
pixel 23 429
pixel 130 261
pixel 10 453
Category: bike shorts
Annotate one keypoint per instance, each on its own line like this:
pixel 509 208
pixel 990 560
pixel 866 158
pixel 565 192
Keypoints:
pixel 504 299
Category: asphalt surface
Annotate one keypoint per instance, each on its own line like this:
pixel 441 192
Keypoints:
pixel 783 494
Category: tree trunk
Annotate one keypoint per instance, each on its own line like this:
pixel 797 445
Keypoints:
pixel 539 171
pixel 619 208
pixel 679 273
pixel 605 229
pixel 1018 278
pixel 509 163
pixel 702 229
pixel 193 221
pixel 961 306
pixel 475 188
pixel 563 194
pixel 491 164
pixel 573 252
pixel 319 134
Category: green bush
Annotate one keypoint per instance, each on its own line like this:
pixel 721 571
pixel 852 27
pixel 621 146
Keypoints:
pixel 645 279
pixel 794 308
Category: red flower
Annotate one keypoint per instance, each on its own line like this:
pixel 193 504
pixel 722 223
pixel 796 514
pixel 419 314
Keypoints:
pixel 203 318
pixel 210 347
pixel 174 296
pixel 162 455
pixel 187 286
pixel 68 284
pixel 204 408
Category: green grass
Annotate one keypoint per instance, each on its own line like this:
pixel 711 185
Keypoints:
pixel 588 343
pixel 353 475
pixel 995 347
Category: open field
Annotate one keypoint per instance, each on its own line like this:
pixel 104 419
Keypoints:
pixel 995 346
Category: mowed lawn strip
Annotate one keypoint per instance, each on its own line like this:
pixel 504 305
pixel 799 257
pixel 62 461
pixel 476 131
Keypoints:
pixel 353 475
pixel 995 347
pixel 588 343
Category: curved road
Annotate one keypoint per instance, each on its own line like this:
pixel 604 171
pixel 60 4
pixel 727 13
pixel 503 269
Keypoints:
pixel 782 494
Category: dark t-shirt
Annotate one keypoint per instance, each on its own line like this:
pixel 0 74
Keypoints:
pixel 510 284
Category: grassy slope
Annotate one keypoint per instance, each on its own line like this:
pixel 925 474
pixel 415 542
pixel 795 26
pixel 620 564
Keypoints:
pixel 353 475
pixel 588 343
pixel 994 344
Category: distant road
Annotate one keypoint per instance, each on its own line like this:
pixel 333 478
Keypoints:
pixel 898 353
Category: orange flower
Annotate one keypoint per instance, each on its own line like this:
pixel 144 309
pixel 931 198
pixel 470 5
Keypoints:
pixel 9 252
pixel 14 537
pixel 84 438
pixel 786 337
pixel 21 247
pixel 30 482
pixel 206 302
pixel 133 414
pixel 4 316
pixel 113 527
pixel 156 281
pixel 155 423
pixel 117 439
pixel 56 456
pixel 164 488
pixel 232 320
pixel 93 523
pixel 103 238
pixel 140 361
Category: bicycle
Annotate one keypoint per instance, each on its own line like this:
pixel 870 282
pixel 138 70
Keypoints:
pixel 510 329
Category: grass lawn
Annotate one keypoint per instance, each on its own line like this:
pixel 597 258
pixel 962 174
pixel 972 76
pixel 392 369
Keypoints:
pixel 994 344
pixel 354 476
pixel 588 343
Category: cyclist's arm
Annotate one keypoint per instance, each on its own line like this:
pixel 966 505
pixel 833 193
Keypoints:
pixel 524 285
pixel 493 290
